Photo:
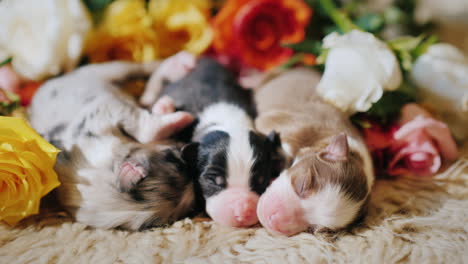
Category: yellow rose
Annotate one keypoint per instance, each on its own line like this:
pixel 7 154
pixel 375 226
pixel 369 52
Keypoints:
pixel 125 33
pixel 182 25
pixel 26 169
pixel 130 31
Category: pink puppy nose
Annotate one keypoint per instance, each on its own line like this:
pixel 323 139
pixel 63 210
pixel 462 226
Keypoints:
pixel 283 224
pixel 244 210
pixel 235 207
pixel 280 215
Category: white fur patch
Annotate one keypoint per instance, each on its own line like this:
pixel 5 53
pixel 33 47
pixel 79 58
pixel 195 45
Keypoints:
pixel 222 116
pixel 99 154
pixel 282 186
pixel 240 160
pixel 330 208
pixel 368 166
pixel 287 149
pixel 234 121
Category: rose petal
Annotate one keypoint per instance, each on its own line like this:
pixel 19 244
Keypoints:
pixel 254 30
pixel 417 143
pixel 411 111
pixel 436 129
pixel 9 79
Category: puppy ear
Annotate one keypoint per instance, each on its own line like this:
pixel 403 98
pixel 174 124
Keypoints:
pixel 130 173
pixel 338 148
pixel 164 105
pixel 190 152
pixel 274 138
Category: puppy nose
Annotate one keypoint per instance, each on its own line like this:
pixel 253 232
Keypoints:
pixel 285 221
pixel 282 223
pixel 245 210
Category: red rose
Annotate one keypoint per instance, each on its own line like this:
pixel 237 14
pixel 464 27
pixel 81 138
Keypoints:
pixel 377 137
pixel 253 32
pixel 378 140
pixel 27 91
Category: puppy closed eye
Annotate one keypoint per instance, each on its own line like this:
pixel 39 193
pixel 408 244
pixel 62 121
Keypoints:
pixel 215 179
pixel 219 180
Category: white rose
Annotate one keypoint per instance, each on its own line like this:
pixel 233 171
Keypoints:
pixel 446 11
pixel 441 74
pixel 358 68
pixel 44 37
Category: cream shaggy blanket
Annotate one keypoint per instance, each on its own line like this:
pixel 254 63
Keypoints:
pixel 408 222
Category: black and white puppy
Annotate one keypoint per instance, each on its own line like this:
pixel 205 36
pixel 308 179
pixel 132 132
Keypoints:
pixel 112 172
pixel 235 163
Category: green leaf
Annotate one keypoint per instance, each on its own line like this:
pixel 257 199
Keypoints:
pixel 394 15
pixel 405 43
pixel 406 60
pixel 389 106
pixel 322 58
pixel 424 46
pixel 370 22
pixel 409 89
pixel 8 102
pixel 295 59
pixel 408 49
pixel 97 5
pixel 306 46
pixel 6 61
pixel 328 29
pixel 97 8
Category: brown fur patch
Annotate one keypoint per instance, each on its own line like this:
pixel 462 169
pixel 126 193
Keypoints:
pixel 312 173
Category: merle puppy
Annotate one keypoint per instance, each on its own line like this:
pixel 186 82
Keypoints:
pixel 114 167
pixel 235 163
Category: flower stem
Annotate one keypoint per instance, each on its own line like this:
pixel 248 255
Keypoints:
pixel 5 61
pixel 340 18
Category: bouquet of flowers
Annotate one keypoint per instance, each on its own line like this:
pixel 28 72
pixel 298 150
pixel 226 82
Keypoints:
pixel 380 65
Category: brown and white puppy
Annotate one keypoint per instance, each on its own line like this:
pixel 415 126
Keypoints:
pixel 114 168
pixel 328 184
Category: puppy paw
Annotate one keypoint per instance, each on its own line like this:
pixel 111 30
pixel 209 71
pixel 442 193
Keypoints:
pixel 177 66
pixel 157 126
pixel 172 69
pixel 169 124
pixel 164 105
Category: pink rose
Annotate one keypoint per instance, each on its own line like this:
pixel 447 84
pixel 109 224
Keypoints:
pixel 421 144
pixel 12 82
pixel 9 79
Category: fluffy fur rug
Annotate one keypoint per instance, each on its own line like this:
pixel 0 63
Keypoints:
pixel 409 221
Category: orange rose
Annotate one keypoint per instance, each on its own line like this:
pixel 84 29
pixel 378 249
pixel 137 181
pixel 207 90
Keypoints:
pixel 253 31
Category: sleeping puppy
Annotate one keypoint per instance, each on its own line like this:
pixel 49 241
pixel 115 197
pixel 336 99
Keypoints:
pixel 235 163
pixel 328 184
pixel 115 168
